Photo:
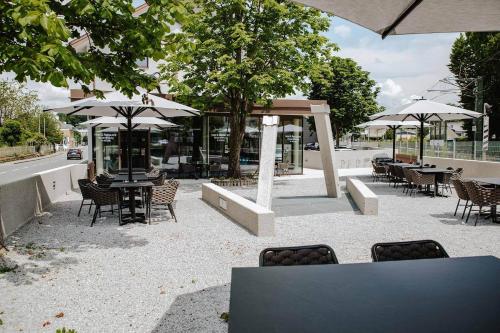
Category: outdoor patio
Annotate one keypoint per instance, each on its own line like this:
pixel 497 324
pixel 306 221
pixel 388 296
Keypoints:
pixel 169 276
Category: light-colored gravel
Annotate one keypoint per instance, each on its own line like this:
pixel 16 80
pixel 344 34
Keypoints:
pixel 169 277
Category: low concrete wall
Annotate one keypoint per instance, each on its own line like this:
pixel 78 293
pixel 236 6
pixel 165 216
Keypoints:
pixel 344 159
pixel 257 219
pixel 471 168
pixel 23 199
pixel 365 199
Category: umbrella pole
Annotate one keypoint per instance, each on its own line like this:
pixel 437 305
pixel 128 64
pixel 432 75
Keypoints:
pixel 421 142
pixel 129 146
pixel 394 144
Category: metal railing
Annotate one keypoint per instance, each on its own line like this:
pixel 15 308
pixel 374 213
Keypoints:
pixel 467 150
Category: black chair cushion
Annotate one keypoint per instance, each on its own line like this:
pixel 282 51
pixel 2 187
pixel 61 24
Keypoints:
pixel 426 249
pixel 298 255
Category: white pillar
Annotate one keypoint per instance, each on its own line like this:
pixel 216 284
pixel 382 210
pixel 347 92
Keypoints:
pixel 90 144
pixel 321 115
pixel 267 158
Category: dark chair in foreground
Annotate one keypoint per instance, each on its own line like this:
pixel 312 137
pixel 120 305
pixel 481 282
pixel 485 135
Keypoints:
pixel 83 184
pixel 105 197
pixel 424 249
pixel 163 195
pixel 298 255
pixel 103 180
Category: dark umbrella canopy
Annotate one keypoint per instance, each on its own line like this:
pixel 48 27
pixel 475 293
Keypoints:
pixel 400 17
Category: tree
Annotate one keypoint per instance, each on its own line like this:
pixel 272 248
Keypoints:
pixel 15 100
pixel 474 55
pixel 349 91
pixel 35 36
pixel 234 53
pixel 11 132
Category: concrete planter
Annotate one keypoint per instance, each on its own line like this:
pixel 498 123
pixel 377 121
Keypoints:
pixel 233 181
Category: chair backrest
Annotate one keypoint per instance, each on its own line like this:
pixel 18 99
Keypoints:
pixel 422 249
pixel 408 174
pixel 104 196
pixel 154 172
pixel 460 171
pixel 459 186
pixel 84 188
pixel 480 195
pixel 91 170
pixel 103 180
pixel 158 180
pixel 165 194
pixel 298 255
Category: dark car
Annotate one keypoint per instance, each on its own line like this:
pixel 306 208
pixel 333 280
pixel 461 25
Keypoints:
pixel 74 153
pixel 311 146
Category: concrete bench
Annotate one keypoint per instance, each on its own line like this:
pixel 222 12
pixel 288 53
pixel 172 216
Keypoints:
pixel 365 199
pixel 257 219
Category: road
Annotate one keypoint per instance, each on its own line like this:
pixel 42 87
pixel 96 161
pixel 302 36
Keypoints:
pixel 12 171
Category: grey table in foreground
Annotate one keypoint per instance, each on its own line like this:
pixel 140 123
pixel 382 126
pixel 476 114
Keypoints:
pixel 430 295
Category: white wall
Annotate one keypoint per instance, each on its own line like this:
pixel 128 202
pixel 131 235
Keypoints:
pixel 471 168
pixel 344 159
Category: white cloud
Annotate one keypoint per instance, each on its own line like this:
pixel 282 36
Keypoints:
pixel 48 94
pixel 390 88
pixel 342 30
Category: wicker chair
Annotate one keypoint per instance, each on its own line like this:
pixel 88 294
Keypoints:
pixel 461 193
pixel 105 197
pixel 424 249
pixel 444 181
pixel 153 173
pixel 409 180
pixel 298 255
pixel 86 194
pixel 379 171
pixel 479 196
pixel 163 195
pixel 421 180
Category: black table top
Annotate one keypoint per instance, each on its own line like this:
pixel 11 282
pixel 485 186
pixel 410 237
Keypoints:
pixel 130 184
pixel 137 176
pixel 488 180
pixel 434 170
pixel 430 295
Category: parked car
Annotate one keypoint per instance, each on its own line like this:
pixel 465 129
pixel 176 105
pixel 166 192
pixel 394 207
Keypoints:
pixel 74 153
pixel 311 146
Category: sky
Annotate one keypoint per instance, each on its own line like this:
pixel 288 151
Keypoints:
pixel 403 66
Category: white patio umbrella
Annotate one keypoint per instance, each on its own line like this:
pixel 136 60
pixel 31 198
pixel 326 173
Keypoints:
pixel 400 17
pixel 394 125
pixel 137 123
pixel 423 111
pixel 115 104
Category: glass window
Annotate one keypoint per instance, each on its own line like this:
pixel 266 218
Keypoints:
pixel 106 149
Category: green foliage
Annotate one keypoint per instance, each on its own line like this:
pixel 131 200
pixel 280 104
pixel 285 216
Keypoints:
pixel 349 91
pixel 77 137
pixel 234 53
pixel 64 330
pixel 11 132
pixel 35 36
pixel 473 55
pixel 73 120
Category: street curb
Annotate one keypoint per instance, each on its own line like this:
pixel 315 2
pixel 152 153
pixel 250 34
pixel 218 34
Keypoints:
pixel 37 158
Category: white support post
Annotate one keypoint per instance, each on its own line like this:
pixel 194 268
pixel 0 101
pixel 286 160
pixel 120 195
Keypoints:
pixel 90 144
pixel 321 115
pixel 267 160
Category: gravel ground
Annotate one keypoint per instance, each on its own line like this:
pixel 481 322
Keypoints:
pixel 174 277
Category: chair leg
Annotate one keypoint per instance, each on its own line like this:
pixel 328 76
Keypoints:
pixel 171 209
pixel 119 214
pixel 81 205
pixel 479 213
pixel 465 208
pixel 470 208
pixel 90 207
pixel 458 203
pixel 97 209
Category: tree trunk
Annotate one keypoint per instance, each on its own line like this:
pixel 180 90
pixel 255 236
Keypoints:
pixel 237 126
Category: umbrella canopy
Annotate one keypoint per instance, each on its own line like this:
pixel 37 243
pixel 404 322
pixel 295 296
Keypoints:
pixel 400 17
pixel 137 123
pixel 394 125
pixel 423 110
pixel 116 104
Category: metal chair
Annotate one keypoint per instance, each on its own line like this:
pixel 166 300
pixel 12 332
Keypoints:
pixel 422 249
pixel 86 194
pixel 379 171
pixel 298 255
pixel 409 180
pixel 163 195
pixel 105 197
